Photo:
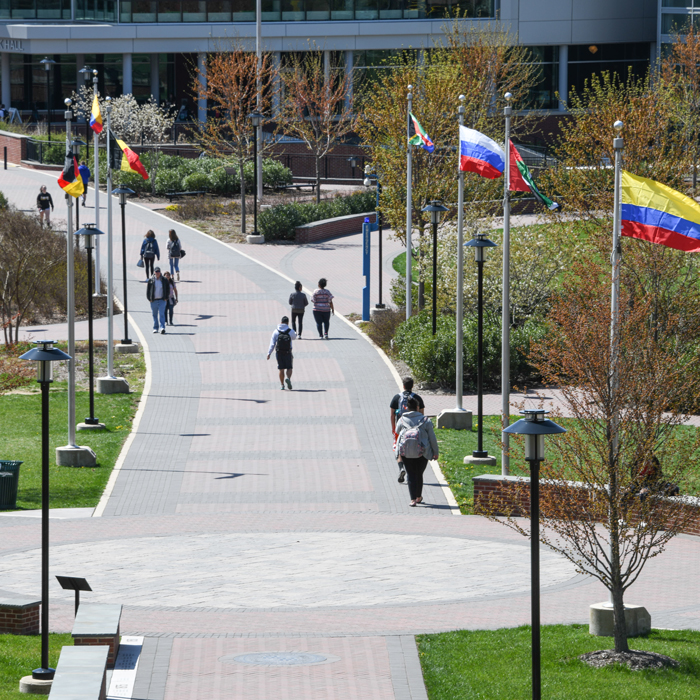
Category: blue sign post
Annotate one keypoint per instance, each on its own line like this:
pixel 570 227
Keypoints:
pixel 366 243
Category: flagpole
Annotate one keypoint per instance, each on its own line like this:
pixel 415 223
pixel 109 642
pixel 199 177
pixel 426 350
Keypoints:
pixel 459 372
pixel 409 207
pixel 505 303
pixel 96 149
pixel 70 293
pixel 110 260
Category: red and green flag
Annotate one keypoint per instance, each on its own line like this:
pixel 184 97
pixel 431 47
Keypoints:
pixel 418 136
pixel 521 180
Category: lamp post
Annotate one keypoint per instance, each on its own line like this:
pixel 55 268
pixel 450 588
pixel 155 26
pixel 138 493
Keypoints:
pixel 44 354
pixel 480 243
pixel 435 208
pixel 256 120
pixel 90 231
pixel 123 192
pixel 86 72
pixel 47 63
pixel 353 164
pixel 367 183
pixel 535 426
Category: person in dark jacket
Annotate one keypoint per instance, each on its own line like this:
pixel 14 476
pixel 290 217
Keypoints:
pixel 158 293
pixel 149 252
pixel 44 204
pixel 85 177
pixel 298 302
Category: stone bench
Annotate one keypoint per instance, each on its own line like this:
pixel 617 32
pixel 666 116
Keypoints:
pixel 81 674
pixel 98 624
pixel 19 615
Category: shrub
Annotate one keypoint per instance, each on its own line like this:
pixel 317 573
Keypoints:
pixel 196 181
pixel 3 201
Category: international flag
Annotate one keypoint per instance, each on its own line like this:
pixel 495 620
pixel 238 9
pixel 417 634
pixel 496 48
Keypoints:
pixel 521 180
pixel 418 137
pixel 96 116
pixel 131 162
pixel 480 154
pixel 654 212
pixel 70 180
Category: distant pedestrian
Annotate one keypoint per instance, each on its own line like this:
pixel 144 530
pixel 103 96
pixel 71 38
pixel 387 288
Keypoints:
pixel 149 252
pixel 158 293
pixel 415 445
pixel 281 343
pixel 298 302
pixel 323 308
pixel 174 253
pixel 172 299
pixel 44 204
pixel 399 406
pixel 85 177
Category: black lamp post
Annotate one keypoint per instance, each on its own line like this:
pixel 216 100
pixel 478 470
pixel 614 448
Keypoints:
pixel 480 243
pixel 535 426
pixel 353 163
pixel 90 231
pixel 256 120
pixel 367 183
pixel 44 354
pixel 123 192
pixel 86 72
pixel 47 63
pixel 435 208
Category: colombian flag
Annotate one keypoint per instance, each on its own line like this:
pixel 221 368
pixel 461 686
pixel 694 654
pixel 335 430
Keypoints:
pixel 131 162
pixel 656 213
pixel 418 135
pixel 96 116
pixel 70 179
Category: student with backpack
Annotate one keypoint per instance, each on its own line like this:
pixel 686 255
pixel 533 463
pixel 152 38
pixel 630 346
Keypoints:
pixel 415 445
pixel 281 343
pixel 298 302
pixel 398 407
pixel 149 252
pixel 175 253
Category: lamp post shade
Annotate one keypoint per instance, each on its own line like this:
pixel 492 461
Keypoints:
pixel 89 231
pixel 435 208
pixel 47 63
pixel 480 243
pixel 44 354
pixel 86 73
pixel 353 161
pixel 256 119
pixel 535 426
pixel 123 193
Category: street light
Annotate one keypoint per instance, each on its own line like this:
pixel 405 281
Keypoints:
pixel 47 63
pixel 368 183
pixel 435 208
pixel 86 72
pixel 256 120
pixel 480 243
pixel 535 426
pixel 90 231
pixel 353 164
pixel 123 192
pixel 44 354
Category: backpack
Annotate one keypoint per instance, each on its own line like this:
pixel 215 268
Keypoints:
pixel 148 251
pixel 403 403
pixel 410 443
pixel 284 341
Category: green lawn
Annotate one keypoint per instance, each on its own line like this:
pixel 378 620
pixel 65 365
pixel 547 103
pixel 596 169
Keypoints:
pixel 19 655
pixel 495 665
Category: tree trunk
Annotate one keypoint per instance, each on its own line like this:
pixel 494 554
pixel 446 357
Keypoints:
pixel 620 630
pixel 318 180
pixel 620 625
pixel 240 165
pixel 421 273
pixel 154 171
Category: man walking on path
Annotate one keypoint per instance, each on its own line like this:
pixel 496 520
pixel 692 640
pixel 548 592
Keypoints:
pixel 281 343
pixel 158 292
pixel 85 177
pixel 399 406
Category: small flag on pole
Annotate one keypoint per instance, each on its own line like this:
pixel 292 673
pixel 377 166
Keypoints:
pixel 130 161
pixel 480 154
pixel 521 180
pixel 96 116
pixel 70 180
pixel 418 137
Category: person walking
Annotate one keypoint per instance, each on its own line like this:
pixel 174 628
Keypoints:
pixel 44 204
pixel 85 177
pixel 172 299
pixel 149 252
pixel 323 308
pixel 281 343
pixel 174 253
pixel 399 406
pixel 415 445
pixel 158 293
pixel 298 302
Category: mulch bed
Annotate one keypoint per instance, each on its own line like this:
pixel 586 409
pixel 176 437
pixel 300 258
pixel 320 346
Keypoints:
pixel 634 660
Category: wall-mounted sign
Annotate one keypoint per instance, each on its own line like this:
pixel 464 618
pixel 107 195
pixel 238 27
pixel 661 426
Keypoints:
pixel 11 45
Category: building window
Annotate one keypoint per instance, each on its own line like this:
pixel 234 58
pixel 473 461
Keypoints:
pixel 30 82
pixel 545 60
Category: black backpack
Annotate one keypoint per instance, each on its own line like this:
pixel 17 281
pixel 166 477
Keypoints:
pixel 284 341
pixel 148 251
pixel 403 403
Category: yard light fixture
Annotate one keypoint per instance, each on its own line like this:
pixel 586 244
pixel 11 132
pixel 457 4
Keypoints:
pixel 256 120
pixel 534 426
pixel 44 355
pixel 353 164
pixel 123 192
pixel 47 63
pixel 435 208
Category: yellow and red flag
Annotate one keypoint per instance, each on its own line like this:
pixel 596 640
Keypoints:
pixel 130 161
pixel 96 116
pixel 70 180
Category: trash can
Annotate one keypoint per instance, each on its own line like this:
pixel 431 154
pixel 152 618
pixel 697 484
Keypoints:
pixel 9 479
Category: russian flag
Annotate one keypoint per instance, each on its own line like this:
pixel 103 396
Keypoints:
pixel 480 154
pixel 96 116
pixel 654 212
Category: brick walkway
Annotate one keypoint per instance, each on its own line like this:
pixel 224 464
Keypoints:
pixel 249 520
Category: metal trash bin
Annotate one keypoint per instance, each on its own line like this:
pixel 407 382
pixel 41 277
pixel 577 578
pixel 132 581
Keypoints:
pixel 9 480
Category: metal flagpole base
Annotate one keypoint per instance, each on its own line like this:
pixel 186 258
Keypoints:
pixel 377 311
pixel 126 347
pixel 90 424
pixel 36 686
pixel 112 385
pixel 75 456
pixel 255 238
pixel 455 419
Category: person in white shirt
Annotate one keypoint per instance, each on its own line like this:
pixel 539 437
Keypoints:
pixel 281 343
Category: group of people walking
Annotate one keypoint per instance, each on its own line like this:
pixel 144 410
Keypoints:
pixel 161 290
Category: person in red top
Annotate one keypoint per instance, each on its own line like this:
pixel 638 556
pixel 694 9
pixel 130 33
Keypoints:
pixel 323 308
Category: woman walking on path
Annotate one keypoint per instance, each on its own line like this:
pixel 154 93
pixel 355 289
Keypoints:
pixel 298 302
pixel 323 308
pixel 174 253
pixel 171 300
pixel 415 445
pixel 44 204
pixel 149 252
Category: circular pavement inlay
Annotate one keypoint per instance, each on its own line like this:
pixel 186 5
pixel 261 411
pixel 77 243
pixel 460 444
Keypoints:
pixel 279 658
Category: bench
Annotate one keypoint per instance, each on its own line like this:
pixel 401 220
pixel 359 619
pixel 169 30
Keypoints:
pixel 19 615
pixel 80 674
pixel 172 195
pixel 98 624
pixel 311 185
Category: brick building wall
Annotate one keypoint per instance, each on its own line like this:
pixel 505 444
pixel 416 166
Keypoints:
pixel 16 145
pixel 19 617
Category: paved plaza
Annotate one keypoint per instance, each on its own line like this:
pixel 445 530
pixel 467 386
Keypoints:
pixel 257 538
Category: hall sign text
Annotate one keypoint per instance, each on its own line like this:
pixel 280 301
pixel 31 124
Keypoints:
pixel 11 45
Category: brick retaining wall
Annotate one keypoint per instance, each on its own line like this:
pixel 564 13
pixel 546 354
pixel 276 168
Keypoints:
pixel 112 641
pixel 16 145
pixel 19 617
pixel 329 228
